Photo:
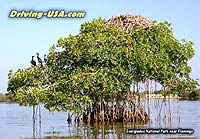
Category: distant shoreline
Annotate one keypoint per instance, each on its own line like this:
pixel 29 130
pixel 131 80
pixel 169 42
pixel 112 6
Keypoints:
pixel 6 98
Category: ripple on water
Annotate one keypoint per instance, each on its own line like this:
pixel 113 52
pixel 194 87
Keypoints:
pixel 16 123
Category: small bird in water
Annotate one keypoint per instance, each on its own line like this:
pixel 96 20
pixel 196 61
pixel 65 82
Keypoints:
pixel 39 59
pixel 33 61
pixel 69 119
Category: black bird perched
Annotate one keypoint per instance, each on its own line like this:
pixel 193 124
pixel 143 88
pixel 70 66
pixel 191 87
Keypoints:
pixel 45 59
pixel 33 61
pixel 39 59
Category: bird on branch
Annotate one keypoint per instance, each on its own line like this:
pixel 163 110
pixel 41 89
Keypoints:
pixel 33 61
pixel 39 59
pixel 45 59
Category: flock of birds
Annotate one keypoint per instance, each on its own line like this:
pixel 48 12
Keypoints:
pixel 33 62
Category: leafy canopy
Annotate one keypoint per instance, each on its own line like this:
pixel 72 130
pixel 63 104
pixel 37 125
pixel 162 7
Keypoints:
pixel 103 62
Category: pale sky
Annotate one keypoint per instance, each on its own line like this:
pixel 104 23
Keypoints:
pixel 22 38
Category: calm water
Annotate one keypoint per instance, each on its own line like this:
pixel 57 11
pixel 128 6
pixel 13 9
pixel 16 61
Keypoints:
pixel 16 123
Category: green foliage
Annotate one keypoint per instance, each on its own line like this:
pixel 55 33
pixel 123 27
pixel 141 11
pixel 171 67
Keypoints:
pixel 194 95
pixel 103 62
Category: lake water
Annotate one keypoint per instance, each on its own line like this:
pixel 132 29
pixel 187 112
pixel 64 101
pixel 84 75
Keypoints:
pixel 16 123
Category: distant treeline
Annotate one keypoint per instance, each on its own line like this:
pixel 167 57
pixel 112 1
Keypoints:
pixel 194 95
pixel 8 98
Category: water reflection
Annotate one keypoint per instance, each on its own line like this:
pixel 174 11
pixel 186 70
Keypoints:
pixel 18 121
pixel 37 129
pixel 95 130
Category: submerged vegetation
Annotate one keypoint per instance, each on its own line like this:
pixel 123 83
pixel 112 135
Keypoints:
pixel 90 74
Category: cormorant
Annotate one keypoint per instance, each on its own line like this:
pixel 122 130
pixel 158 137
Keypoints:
pixel 39 59
pixel 45 59
pixel 33 61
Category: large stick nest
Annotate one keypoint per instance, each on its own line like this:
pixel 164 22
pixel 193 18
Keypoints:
pixel 129 22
